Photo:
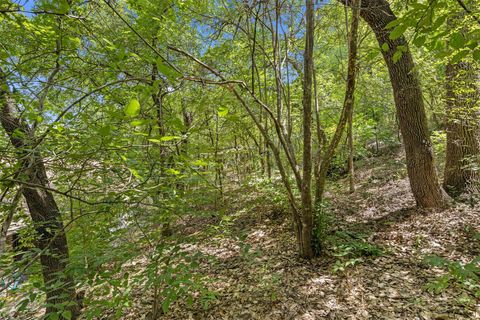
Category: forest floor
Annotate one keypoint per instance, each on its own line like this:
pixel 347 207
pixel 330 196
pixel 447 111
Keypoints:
pixel 261 277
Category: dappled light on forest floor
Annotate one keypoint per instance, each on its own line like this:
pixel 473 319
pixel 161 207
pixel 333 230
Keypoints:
pixel 262 277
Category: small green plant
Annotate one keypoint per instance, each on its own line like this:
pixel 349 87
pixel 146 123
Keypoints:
pixel 464 274
pixel 350 248
pixel 246 251
pixel 322 221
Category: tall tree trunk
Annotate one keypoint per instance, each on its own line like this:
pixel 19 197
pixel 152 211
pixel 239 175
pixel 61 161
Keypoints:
pixel 351 169
pixel 46 217
pixel 410 107
pixel 348 103
pixel 305 230
pixel 463 129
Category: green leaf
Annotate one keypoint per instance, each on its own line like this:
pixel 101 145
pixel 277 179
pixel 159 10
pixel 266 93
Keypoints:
pixel 476 55
pixel 164 138
pixel 63 6
pixel 135 173
pixel 76 42
pixel 419 6
pixel 165 305
pixel 385 47
pixel 398 31
pixel 222 111
pixel 67 314
pixel 430 45
pixel 173 172
pixel 104 131
pixel 136 123
pixel 457 40
pixel 420 40
pixel 372 55
pixel 472 44
pixel 397 55
pixel 132 109
pixel 459 56
pixel 439 22
pixel 435 260
pixel 168 138
pixel 393 23
pixel 53 316
pixel 199 163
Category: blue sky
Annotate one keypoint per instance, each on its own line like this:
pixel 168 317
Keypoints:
pixel 28 4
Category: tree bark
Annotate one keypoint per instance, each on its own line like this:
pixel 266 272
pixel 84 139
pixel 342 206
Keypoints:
pixel 463 129
pixel 46 217
pixel 305 230
pixel 409 104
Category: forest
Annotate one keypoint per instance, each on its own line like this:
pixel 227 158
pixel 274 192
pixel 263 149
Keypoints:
pixel 239 159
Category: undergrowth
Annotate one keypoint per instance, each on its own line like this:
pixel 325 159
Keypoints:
pixel 466 275
pixel 349 248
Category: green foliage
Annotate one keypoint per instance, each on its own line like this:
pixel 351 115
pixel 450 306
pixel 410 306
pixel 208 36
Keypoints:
pixel 135 152
pixel 439 140
pixel 273 193
pixel 444 27
pixel 323 220
pixel 349 249
pixel 464 274
pixel 246 249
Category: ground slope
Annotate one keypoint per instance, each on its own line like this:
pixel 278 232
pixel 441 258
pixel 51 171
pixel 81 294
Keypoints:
pixel 258 275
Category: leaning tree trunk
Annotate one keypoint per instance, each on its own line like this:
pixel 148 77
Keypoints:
pixel 46 217
pixel 409 104
pixel 463 129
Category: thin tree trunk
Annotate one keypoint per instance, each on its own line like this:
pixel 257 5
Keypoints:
pixel 277 60
pixel 410 106
pixel 157 97
pixel 265 98
pixel 289 100
pixel 347 104
pixel 306 227
pixel 8 219
pixel 321 136
pixel 351 169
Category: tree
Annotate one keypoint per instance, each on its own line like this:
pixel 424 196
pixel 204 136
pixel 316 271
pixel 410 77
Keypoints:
pixel 463 128
pixel 306 227
pixel 409 103
pixel 46 217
